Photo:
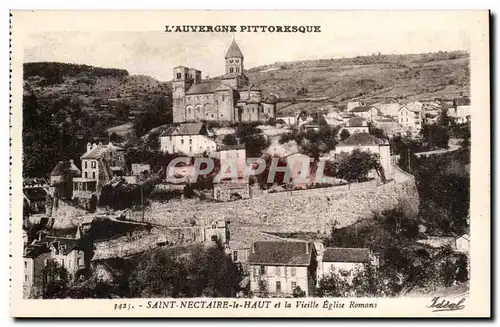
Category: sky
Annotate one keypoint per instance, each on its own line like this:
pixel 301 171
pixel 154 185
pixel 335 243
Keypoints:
pixel 155 53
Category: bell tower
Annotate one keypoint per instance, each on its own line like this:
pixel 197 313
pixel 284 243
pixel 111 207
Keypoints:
pixel 234 59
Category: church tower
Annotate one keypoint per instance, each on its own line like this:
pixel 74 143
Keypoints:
pixel 234 59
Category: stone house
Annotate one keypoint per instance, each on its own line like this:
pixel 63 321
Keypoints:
pixel 100 164
pixel 389 108
pixel 410 116
pixel 187 138
pixel 461 111
pixel 61 178
pixel 356 125
pixel 344 261
pixel 367 112
pixel 68 253
pixel 36 194
pixel 279 267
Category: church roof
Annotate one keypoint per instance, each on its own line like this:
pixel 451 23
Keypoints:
pixel 234 51
pixel 204 87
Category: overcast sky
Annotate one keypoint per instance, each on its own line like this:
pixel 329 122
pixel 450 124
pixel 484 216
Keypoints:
pixel 155 53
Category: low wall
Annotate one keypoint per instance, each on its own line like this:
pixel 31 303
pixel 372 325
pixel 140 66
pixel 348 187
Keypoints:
pixel 314 210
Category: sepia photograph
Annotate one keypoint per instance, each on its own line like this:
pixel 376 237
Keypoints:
pixel 245 162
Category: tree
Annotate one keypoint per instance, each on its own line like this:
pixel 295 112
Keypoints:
pixel 298 292
pixel 356 166
pixel 435 136
pixel 344 134
pixel 375 131
pixel 52 281
pixel 254 139
pixel 333 285
pixel 160 274
pixel 229 139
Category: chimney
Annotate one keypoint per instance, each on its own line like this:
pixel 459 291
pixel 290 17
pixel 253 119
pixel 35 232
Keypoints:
pixel 94 145
pixel 89 146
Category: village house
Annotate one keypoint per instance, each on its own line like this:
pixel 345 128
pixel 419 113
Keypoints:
pixel 356 125
pixel 461 110
pixel 344 261
pixel 35 193
pixel 100 164
pixel 188 138
pixel 462 243
pixel 410 117
pixel 230 98
pixel 369 143
pixel 388 124
pixel 367 112
pixel 61 178
pixel 388 108
pixel 280 267
pixel 354 104
pixel 66 252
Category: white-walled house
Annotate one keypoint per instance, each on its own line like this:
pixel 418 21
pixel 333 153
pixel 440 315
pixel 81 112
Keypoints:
pixel 369 143
pixel 410 117
pixel 280 267
pixel 187 138
pixel 367 112
pixel 389 108
pixel 344 261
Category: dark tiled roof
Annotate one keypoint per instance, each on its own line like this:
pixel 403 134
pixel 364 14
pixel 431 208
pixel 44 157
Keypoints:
pixel 64 166
pixel 462 102
pixel 96 153
pixel 362 109
pixel 203 87
pixel 185 129
pixel 42 246
pixel 281 253
pixel 30 182
pixel 357 139
pixel 234 51
pixel 356 122
pixel 359 255
pixel 36 194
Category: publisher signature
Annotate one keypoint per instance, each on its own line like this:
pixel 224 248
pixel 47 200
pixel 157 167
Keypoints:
pixel 446 305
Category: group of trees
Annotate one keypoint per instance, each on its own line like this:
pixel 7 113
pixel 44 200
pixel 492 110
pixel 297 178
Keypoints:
pixel 206 271
pixel 405 265
pixel 355 166
pixel 313 142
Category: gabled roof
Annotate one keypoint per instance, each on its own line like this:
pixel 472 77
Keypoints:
pixel 281 253
pixel 204 87
pixel 99 150
pixel 185 129
pixel 66 245
pixel 356 122
pixel 358 139
pixel 233 51
pixel 64 166
pixel 362 109
pixel 357 255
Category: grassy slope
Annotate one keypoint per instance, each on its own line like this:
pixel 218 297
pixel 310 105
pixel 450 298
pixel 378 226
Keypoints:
pixel 442 75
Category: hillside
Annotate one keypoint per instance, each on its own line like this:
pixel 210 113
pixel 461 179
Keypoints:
pixel 443 75
pixel 113 94
pixel 67 105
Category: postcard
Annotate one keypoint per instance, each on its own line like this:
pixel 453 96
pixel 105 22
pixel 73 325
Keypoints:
pixel 250 164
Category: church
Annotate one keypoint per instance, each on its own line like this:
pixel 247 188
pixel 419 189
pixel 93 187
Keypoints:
pixel 229 98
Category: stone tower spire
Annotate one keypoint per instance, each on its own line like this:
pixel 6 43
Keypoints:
pixel 234 59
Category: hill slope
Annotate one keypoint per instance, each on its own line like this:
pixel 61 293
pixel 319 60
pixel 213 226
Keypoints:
pixel 443 75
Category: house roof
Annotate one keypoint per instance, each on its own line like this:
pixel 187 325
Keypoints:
pixel 462 102
pixel 233 51
pixel 204 87
pixel 358 255
pixel 281 253
pixel 31 182
pixel 362 109
pixel 358 139
pixel 42 246
pixel 99 150
pixel 35 194
pixel 64 166
pixel 356 122
pixel 185 129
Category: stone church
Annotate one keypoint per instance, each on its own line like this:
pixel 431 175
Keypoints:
pixel 228 98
